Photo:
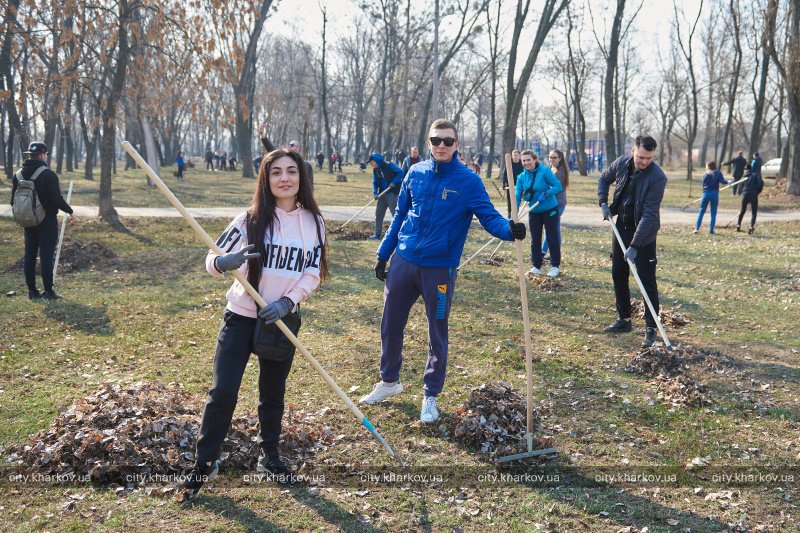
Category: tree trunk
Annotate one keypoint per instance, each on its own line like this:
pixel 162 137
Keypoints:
pixel 610 76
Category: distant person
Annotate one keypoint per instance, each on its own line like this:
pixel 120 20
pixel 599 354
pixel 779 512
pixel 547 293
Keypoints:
pixel 320 160
pixel 209 158
pixel 559 168
pixel 40 239
pixel 412 159
pixel 223 160
pixel 752 188
pixel 232 163
pixel 738 163
pixel 516 166
pixel 385 175
pixel 216 159
pixel 756 164
pixel 339 160
pixel 711 180
pixel 639 186
pixel 293 146
pixel 181 163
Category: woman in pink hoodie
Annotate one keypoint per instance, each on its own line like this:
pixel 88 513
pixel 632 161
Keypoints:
pixel 284 230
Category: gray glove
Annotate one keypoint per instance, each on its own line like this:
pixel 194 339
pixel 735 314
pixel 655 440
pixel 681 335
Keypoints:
pixel 276 310
pixel 606 211
pixel 234 260
pixel 630 254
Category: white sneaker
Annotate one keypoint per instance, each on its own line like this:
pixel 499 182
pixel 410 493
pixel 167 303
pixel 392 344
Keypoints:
pixel 429 413
pixel 381 391
pixel 535 271
pixel 553 272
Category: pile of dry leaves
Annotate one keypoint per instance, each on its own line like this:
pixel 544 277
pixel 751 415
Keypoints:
pixel 146 429
pixel 670 370
pixel 77 255
pixel 357 231
pixel 493 420
pixel 546 283
pixel 492 260
pixel 779 189
pixel 669 317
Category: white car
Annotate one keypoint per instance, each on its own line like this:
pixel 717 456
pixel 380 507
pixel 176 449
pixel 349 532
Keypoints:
pixel 771 168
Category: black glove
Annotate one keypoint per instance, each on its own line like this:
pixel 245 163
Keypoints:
pixel 517 230
pixel 234 260
pixel 276 310
pixel 630 254
pixel 606 211
pixel 380 269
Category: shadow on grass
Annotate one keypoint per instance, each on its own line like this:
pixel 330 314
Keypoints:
pixel 85 318
pixel 121 228
pixel 331 512
pixel 228 508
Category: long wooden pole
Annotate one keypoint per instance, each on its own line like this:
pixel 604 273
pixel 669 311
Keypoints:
pixel 387 189
pixel 208 241
pixel 61 233
pixel 722 189
pixel 523 293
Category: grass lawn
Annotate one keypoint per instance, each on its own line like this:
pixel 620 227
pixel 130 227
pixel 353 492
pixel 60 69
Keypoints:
pixel 154 316
pixel 224 188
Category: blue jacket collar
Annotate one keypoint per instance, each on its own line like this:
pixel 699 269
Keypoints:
pixel 440 167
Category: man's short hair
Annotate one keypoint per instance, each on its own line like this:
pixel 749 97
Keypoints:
pixel 646 142
pixel 294 143
pixel 530 153
pixel 415 148
pixel 444 124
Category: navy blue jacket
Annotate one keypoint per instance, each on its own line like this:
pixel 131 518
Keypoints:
pixel 386 175
pixel 434 213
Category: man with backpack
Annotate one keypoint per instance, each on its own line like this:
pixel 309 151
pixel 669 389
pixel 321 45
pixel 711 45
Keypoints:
pixel 35 200
pixel 751 189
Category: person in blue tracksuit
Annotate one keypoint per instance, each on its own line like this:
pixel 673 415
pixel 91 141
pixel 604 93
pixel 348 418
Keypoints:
pixel 537 183
pixel 711 180
pixel 385 175
pixel 437 201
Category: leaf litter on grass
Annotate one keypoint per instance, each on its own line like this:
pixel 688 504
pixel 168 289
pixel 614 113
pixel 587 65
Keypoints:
pixel 493 420
pixel 149 429
pixel 669 370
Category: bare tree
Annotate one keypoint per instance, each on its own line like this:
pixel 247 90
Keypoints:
pixel 515 92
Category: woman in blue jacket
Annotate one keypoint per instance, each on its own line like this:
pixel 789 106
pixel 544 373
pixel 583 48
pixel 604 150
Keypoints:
pixel 711 180
pixel 537 183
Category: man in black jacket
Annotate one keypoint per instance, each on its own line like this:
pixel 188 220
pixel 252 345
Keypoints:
pixel 738 163
pixel 639 189
pixel 294 146
pixel 42 239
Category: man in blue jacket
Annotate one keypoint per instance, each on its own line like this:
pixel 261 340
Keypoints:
pixel 638 191
pixel 385 175
pixel 437 200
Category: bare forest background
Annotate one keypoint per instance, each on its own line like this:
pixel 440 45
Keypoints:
pixel 84 75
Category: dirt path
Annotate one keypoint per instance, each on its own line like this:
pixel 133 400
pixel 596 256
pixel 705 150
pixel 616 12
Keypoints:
pixel 573 216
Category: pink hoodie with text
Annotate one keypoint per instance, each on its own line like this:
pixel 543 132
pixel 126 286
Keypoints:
pixel 291 265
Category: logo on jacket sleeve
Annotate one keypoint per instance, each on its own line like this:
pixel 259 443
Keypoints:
pixel 445 191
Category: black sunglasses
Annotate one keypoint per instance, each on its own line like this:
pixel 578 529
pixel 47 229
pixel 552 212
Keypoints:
pixel 448 141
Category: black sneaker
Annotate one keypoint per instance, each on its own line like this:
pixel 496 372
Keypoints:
pixel 738 228
pixel 649 337
pixel 272 465
pixel 34 294
pixel 750 231
pixel 620 326
pixel 201 473
pixel 51 295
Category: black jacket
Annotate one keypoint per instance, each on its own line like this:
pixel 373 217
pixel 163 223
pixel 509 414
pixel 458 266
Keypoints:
pixel 738 166
pixel 754 184
pixel 649 193
pixel 47 188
